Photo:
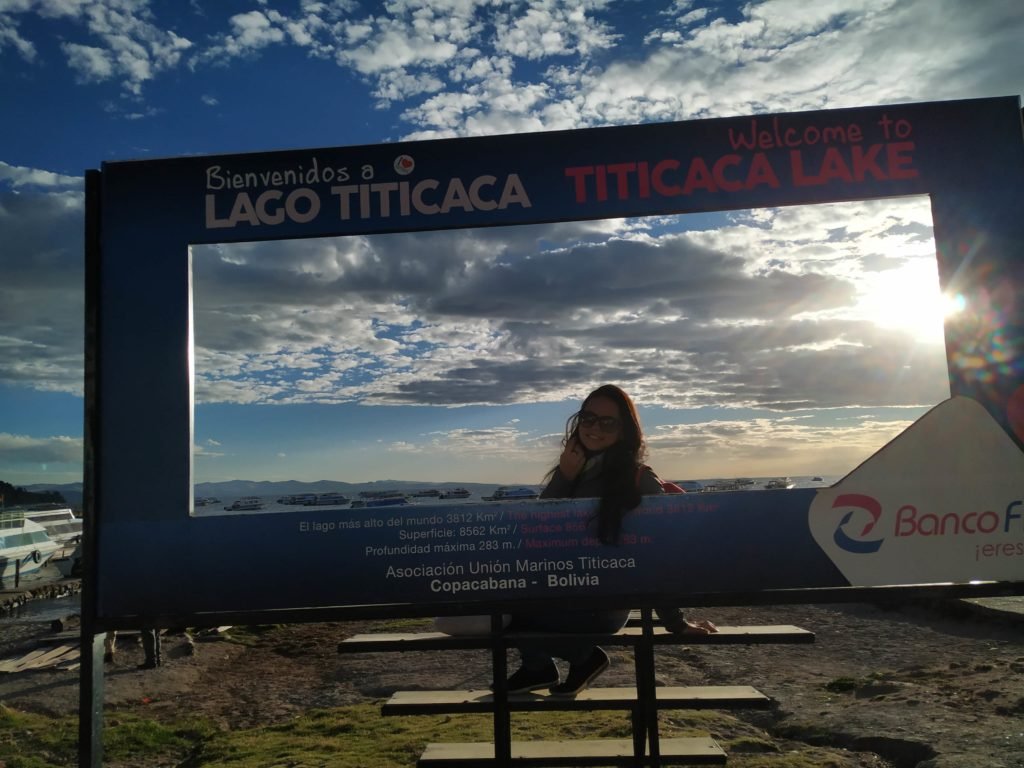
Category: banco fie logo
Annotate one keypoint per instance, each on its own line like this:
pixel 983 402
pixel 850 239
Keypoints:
pixel 859 545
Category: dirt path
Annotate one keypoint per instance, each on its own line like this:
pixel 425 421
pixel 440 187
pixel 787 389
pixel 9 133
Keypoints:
pixel 919 687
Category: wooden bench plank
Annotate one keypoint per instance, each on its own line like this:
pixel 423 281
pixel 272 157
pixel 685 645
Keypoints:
pixel 624 698
pixel 678 751
pixel 438 641
pixel 753 634
pixel 412 641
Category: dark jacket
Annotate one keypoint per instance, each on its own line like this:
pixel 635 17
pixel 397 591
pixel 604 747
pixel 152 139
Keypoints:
pixel 589 486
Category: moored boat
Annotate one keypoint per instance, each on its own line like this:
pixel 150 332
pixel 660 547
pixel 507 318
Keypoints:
pixel 512 493
pixel 244 504
pixel 69 564
pixel 298 498
pixel 691 486
pixel 381 494
pixel 325 499
pixel 386 501
pixel 455 493
pixel 24 545
pixel 779 482
pixel 59 522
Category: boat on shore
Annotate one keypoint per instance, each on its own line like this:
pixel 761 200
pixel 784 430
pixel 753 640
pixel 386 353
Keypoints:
pixel 691 486
pixel 780 483
pixel 69 564
pixel 244 504
pixel 455 493
pixel 59 522
pixel 24 545
pixel 512 493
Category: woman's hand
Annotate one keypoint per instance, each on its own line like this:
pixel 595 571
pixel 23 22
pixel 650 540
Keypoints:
pixel 571 462
pixel 703 627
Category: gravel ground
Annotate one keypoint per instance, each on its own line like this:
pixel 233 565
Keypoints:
pixel 907 687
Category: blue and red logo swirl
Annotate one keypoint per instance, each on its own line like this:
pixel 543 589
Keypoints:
pixel 857 543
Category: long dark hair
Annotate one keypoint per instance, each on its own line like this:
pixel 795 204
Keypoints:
pixel 619 489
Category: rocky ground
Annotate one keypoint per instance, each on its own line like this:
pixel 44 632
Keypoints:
pixel 933 686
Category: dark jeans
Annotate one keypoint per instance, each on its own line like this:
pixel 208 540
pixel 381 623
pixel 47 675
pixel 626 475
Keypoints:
pixel 151 645
pixel 538 654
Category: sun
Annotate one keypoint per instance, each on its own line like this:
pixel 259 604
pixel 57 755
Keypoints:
pixel 909 299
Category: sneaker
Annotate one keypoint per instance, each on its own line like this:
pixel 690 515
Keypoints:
pixel 148 664
pixel 526 680
pixel 582 675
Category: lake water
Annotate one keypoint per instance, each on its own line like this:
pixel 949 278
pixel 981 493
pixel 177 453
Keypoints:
pixel 271 505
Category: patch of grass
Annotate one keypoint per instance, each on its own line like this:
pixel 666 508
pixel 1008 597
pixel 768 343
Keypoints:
pixel 812 758
pixel 750 744
pixel 404 625
pixel 36 741
pixel 358 736
pixel 842 685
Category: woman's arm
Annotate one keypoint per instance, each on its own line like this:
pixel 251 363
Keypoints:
pixel 559 487
pixel 648 482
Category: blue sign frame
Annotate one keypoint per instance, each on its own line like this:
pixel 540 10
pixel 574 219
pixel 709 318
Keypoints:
pixel 912 515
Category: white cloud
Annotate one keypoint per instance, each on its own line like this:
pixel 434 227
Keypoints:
pixel 11 37
pixel 114 39
pixel 91 63
pixel 19 176
pixel 41 290
pixel 22 449
pixel 555 28
pixel 769 312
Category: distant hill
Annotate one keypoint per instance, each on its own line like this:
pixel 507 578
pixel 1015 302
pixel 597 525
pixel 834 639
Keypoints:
pixel 70 494
pixel 265 488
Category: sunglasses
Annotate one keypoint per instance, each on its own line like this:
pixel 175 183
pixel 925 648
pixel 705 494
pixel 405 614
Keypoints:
pixel 607 423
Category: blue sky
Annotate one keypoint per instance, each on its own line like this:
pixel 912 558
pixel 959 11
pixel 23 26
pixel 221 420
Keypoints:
pixel 787 341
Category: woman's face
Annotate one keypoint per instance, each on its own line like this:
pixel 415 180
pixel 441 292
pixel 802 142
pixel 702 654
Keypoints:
pixel 600 426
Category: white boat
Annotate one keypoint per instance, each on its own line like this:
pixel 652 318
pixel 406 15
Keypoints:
pixel 245 503
pixel 325 499
pixel 298 498
pixel 59 522
pixel 381 495
pixel 780 482
pixel 386 501
pixel 24 545
pixel 455 493
pixel 204 501
pixel 512 493
pixel 69 564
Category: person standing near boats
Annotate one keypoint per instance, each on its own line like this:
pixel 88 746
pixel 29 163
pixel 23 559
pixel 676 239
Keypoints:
pixel 602 458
